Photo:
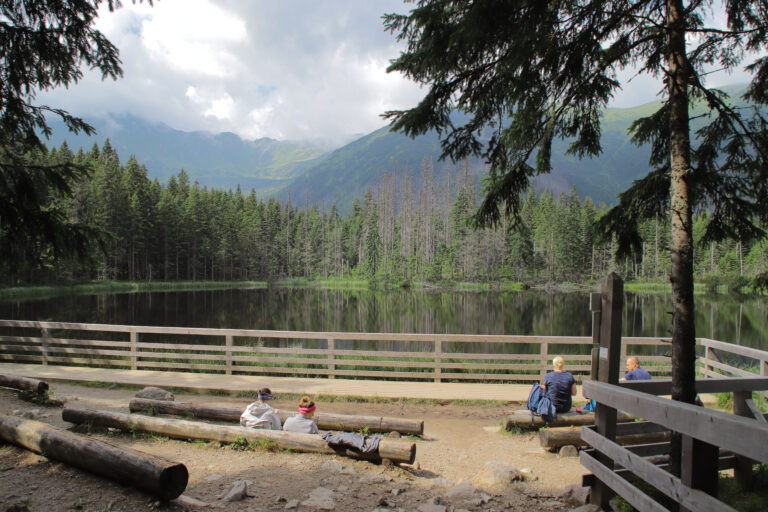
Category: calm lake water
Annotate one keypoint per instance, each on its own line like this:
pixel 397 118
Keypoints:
pixel 741 320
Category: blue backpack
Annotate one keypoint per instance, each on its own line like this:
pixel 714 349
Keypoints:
pixel 540 404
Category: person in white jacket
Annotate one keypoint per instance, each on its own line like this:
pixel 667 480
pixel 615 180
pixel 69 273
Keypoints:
pixel 260 414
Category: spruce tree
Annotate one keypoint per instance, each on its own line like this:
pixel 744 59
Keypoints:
pixel 526 72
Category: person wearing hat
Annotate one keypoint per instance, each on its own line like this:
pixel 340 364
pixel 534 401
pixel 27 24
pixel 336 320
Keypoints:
pixel 302 422
pixel 260 414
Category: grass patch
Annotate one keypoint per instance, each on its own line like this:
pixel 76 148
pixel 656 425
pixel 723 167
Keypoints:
pixel 94 287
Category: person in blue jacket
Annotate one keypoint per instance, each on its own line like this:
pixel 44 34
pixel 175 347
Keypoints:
pixel 560 386
pixel 634 372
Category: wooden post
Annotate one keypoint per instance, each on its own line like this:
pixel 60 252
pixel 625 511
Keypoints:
pixel 438 360
pixel 595 306
pixel 228 342
pixel 707 366
pixel 764 368
pixel 45 335
pixel 331 358
pixel 742 471
pixel 612 291
pixel 699 466
pixel 544 353
pixel 134 350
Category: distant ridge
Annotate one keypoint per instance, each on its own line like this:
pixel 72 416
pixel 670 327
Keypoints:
pixel 324 173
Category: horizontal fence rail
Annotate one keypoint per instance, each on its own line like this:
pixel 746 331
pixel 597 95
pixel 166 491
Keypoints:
pixel 438 357
pixel 726 359
pixel 705 433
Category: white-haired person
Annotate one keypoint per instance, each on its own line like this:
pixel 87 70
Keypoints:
pixel 560 386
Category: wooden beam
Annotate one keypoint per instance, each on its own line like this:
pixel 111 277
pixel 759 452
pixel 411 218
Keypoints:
pixel 324 421
pixel 658 478
pixel 605 475
pixel 396 451
pixel 522 418
pixel 713 385
pixel 554 438
pixel 740 435
pixel 158 476
pixel 24 384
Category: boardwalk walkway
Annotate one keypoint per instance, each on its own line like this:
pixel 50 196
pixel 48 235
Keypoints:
pixel 202 382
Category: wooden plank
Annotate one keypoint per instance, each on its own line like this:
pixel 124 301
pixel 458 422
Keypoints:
pixel 740 435
pixel 639 427
pixel 658 478
pixel 735 349
pixel 629 492
pixel 612 290
pixel 21 357
pixel 756 413
pixel 649 449
pixel 730 369
pixel 90 362
pixel 22 348
pixel 699 469
pixel 742 470
pixel 228 343
pixel 714 385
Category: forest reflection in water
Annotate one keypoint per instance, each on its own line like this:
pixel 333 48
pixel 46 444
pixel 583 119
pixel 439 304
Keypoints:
pixel 735 319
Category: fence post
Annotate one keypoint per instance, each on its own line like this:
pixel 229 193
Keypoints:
pixel 438 360
pixel 764 368
pixel 595 306
pixel 699 467
pixel 45 335
pixel 331 358
pixel 742 471
pixel 228 348
pixel 608 371
pixel 544 354
pixel 134 350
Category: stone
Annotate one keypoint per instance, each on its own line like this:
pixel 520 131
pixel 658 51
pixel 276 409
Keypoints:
pixel 238 492
pixel 441 481
pixel 462 490
pixel 333 466
pixel 348 470
pixel 394 435
pixel 320 498
pixel 586 508
pixel 568 451
pixel 496 473
pixel 429 507
pixel 292 504
pixel 574 495
pixel 213 477
pixel 153 393
pixel 31 414
pixel 20 506
pixel 397 492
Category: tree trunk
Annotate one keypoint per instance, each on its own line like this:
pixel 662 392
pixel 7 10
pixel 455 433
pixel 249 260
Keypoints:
pixel 149 473
pixel 23 383
pixel 681 243
pixel 396 451
pixel 324 421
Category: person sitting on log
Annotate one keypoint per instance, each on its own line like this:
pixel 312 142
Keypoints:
pixel 634 372
pixel 302 422
pixel 260 414
pixel 560 386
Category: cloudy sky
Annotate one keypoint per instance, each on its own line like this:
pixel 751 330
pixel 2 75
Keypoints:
pixel 286 70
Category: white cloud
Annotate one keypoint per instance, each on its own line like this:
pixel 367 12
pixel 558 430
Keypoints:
pixel 289 70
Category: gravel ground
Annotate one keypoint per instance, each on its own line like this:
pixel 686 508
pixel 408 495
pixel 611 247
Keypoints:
pixel 459 442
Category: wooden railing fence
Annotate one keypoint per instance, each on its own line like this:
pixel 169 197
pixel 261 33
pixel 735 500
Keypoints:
pixel 714 361
pixel 438 357
pixel 710 439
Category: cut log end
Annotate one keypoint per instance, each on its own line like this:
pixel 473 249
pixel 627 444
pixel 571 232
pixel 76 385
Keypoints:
pixel 173 481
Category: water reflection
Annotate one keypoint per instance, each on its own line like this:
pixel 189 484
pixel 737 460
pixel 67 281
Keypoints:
pixel 727 318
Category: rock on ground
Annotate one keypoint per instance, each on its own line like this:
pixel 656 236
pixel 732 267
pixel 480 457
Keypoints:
pixel 153 393
pixel 496 473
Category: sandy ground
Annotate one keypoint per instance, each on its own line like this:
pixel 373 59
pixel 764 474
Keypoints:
pixel 458 442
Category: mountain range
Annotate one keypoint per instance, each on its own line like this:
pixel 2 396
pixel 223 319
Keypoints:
pixel 321 172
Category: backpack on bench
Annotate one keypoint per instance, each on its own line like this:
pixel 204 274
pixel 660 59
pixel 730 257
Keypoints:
pixel 540 404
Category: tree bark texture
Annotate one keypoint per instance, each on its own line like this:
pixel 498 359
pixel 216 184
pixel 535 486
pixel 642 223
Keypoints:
pixel 324 421
pixel 554 438
pixel 681 243
pixel 522 418
pixel 396 451
pixel 163 478
pixel 23 383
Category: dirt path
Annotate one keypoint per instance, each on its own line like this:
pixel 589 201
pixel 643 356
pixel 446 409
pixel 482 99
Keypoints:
pixel 458 442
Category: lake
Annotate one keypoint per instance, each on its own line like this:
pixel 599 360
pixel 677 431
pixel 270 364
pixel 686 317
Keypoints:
pixel 741 320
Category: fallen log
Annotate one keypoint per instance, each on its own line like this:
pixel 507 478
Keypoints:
pixel 155 475
pixel 554 438
pixel 324 421
pixel 521 418
pixel 24 384
pixel 396 451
